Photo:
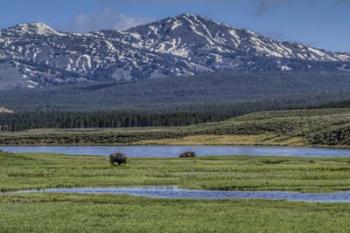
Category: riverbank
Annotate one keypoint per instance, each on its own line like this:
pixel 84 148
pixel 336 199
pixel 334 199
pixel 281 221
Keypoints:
pixel 229 140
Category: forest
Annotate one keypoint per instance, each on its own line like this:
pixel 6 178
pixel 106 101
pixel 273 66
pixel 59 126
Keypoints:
pixel 184 93
pixel 176 101
pixel 187 115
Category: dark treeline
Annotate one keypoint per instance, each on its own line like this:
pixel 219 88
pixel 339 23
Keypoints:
pixel 181 116
pixel 35 120
pixel 337 104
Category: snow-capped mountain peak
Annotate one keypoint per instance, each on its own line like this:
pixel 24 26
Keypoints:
pixel 186 44
pixel 33 29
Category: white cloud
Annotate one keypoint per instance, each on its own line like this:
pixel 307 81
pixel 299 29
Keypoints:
pixel 104 19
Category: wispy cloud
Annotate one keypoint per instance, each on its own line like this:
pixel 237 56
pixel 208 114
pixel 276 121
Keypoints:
pixel 265 5
pixel 106 18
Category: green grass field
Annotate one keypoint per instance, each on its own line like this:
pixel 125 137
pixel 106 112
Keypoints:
pixel 28 171
pixel 75 213
pixel 40 212
pixel 326 127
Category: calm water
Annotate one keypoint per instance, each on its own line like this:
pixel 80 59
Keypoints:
pixel 178 193
pixel 174 151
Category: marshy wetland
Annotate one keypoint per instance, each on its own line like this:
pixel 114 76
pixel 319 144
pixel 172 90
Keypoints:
pixel 174 192
pixel 73 212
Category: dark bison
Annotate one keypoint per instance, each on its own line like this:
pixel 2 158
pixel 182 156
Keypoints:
pixel 117 158
pixel 188 155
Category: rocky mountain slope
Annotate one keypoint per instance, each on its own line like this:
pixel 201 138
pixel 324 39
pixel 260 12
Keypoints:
pixel 34 55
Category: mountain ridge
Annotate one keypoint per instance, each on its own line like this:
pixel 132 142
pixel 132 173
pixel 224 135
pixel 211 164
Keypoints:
pixel 36 55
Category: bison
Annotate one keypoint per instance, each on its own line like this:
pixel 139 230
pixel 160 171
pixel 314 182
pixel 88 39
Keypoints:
pixel 117 158
pixel 188 155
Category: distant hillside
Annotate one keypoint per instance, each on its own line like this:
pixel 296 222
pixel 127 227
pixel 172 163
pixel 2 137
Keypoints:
pixel 276 90
pixel 322 127
pixel 35 55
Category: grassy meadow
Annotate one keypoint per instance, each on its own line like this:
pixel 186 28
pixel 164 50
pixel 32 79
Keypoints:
pixel 32 171
pixel 40 212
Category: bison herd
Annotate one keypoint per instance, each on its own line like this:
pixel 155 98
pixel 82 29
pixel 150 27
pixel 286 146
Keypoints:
pixel 120 158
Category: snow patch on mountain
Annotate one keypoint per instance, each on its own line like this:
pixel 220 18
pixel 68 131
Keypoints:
pixel 34 28
pixel 176 24
pixel 36 55
pixel 5 110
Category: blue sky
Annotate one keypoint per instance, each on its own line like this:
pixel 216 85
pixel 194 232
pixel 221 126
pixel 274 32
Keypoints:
pixel 321 23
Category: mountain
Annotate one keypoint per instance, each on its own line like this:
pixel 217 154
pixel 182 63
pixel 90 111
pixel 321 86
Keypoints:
pixel 35 55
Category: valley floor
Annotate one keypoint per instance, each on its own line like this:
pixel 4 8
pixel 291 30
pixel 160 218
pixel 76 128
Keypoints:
pixel 40 212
